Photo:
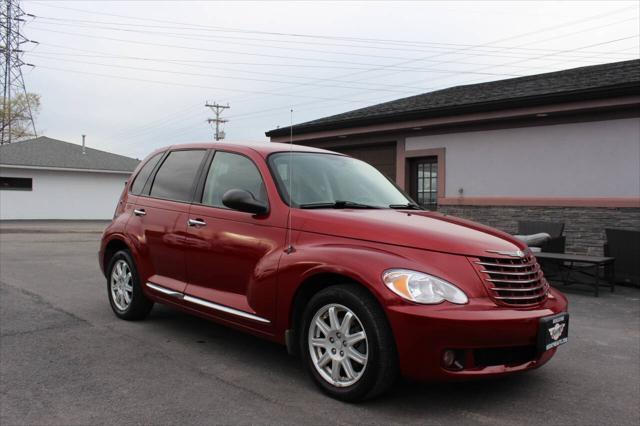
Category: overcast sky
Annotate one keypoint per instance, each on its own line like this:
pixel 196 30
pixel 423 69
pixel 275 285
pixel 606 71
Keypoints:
pixel 134 75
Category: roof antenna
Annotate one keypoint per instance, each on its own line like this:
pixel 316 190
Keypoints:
pixel 290 248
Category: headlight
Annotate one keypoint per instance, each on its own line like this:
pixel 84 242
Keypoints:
pixel 422 288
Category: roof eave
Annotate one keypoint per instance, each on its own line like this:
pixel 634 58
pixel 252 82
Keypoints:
pixel 64 169
pixel 552 98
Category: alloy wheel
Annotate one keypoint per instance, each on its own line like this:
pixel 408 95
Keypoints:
pixel 121 285
pixel 338 345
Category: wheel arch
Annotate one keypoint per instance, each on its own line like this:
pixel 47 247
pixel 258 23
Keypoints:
pixel 311 285
pixel 111 248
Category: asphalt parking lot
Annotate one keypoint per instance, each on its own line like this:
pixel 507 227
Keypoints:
pixel 66 359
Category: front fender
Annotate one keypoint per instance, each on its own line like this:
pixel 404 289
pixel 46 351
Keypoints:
pixel 364 262
pixel 359 263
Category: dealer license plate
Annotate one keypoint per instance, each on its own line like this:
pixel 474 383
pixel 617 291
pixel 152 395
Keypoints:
pixel 553 331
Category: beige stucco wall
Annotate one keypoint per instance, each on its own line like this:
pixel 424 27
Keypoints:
pixel 589 159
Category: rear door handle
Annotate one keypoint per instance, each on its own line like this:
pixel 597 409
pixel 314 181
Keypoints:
pixel 139 212
pixel 196 222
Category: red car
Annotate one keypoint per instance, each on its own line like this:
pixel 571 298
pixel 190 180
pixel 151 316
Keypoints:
pixel 321 252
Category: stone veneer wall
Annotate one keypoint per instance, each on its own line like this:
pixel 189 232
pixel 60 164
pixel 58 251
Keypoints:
pixel 584 226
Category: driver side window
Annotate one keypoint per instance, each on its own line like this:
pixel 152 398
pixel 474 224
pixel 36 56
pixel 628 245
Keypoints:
pixel 232 171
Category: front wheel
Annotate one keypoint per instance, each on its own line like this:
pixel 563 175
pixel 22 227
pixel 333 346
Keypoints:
pixel 123 285
pixel 347 344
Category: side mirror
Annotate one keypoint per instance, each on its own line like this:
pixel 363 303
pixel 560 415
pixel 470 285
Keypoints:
pixel 244 201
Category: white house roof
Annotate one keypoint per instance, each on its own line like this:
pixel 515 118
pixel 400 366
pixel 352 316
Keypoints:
pixel 44 152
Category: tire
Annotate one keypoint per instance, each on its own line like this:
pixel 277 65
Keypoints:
pixel 125 295
pixel 364 380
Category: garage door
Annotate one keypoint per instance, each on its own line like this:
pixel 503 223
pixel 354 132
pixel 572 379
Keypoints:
pixel 380 156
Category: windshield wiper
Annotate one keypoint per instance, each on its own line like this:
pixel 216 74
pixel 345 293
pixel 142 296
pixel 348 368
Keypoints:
pixel 338 204
pixel 408 206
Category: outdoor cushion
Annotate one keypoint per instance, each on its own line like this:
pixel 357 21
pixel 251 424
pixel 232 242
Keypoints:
pixel 534 240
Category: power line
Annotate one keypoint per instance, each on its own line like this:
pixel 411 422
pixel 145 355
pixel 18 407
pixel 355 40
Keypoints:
pixel 484 52
pixel 380 87
pixel 312 82
pixel 266 55
pixel 299 35
pixel 389 67
pixel 245 116
pixel 361 67
pixel 193 64
pixel 169 83
pixel 163 121
pixel 382 67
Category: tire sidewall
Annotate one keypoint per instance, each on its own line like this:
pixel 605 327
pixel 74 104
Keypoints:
pixel 135 282
pixel 341 295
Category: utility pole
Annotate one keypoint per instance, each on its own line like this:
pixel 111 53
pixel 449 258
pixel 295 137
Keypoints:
pixel 11 41
pixel 217 110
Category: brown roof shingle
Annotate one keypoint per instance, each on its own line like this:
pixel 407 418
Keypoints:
pixel 589 82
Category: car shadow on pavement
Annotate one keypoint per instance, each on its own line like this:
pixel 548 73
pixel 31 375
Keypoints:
pixel 263 357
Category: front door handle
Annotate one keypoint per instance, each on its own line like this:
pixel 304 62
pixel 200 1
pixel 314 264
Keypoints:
pixel 139 212
pixel 196 222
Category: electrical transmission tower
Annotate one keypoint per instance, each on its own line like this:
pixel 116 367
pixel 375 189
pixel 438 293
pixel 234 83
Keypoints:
pixel 11 19
pixel 217 110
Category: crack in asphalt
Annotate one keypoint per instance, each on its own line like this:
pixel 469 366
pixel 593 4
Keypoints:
pixel 38 299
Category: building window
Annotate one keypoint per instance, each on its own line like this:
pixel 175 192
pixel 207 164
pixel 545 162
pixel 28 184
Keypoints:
pixel 424 181
pixel 15 184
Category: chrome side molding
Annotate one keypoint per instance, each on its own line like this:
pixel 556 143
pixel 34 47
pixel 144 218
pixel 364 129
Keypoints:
pixel 166 291
pixel 206 303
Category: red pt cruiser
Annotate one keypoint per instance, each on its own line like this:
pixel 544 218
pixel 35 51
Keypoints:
pixel 321 252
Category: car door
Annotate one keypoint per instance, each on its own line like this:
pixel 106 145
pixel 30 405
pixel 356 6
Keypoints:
pixel 159 224
pixel 233 256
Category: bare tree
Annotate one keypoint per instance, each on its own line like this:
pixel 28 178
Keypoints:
pixel 16 116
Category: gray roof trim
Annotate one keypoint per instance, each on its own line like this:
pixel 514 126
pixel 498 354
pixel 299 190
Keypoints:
pixel 63 169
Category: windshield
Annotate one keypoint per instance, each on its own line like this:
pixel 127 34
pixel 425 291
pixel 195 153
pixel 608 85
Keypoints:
pixel 328 180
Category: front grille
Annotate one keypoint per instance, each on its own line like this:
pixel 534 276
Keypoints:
pixel 514 281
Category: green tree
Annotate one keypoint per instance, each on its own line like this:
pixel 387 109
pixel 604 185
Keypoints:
pixel 16 115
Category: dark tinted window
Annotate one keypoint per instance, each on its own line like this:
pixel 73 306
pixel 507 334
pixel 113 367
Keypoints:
pixel 175 178
pixel 143 174
pixel 16 184
pixel 231 171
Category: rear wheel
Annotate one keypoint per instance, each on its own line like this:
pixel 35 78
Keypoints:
pixel 347 343
pixel 123 285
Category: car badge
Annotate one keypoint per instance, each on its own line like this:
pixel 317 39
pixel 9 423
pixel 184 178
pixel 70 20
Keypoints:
pixel 556 331
pixel 517 253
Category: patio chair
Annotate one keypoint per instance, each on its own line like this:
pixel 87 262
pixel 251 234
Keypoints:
pixel 555 244
pixel 624 245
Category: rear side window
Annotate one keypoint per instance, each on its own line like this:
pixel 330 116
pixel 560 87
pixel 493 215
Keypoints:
pixel 231 171
pixel 144 173
pixel 175 178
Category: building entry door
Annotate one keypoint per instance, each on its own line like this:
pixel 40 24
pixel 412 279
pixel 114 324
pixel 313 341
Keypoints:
pixel 424 181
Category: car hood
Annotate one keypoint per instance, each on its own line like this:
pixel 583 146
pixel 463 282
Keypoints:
pixel 416 229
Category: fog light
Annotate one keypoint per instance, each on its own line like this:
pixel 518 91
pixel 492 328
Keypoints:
pixel 448 358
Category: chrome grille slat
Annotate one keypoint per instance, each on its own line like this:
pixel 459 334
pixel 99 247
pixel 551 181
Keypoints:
pixel 513 281
pixel 518 297
pixel 519 289
pixel 507 265
pixel 535 271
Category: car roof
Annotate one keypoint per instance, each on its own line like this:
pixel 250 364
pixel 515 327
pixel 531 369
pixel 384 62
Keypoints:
pixel 262 148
